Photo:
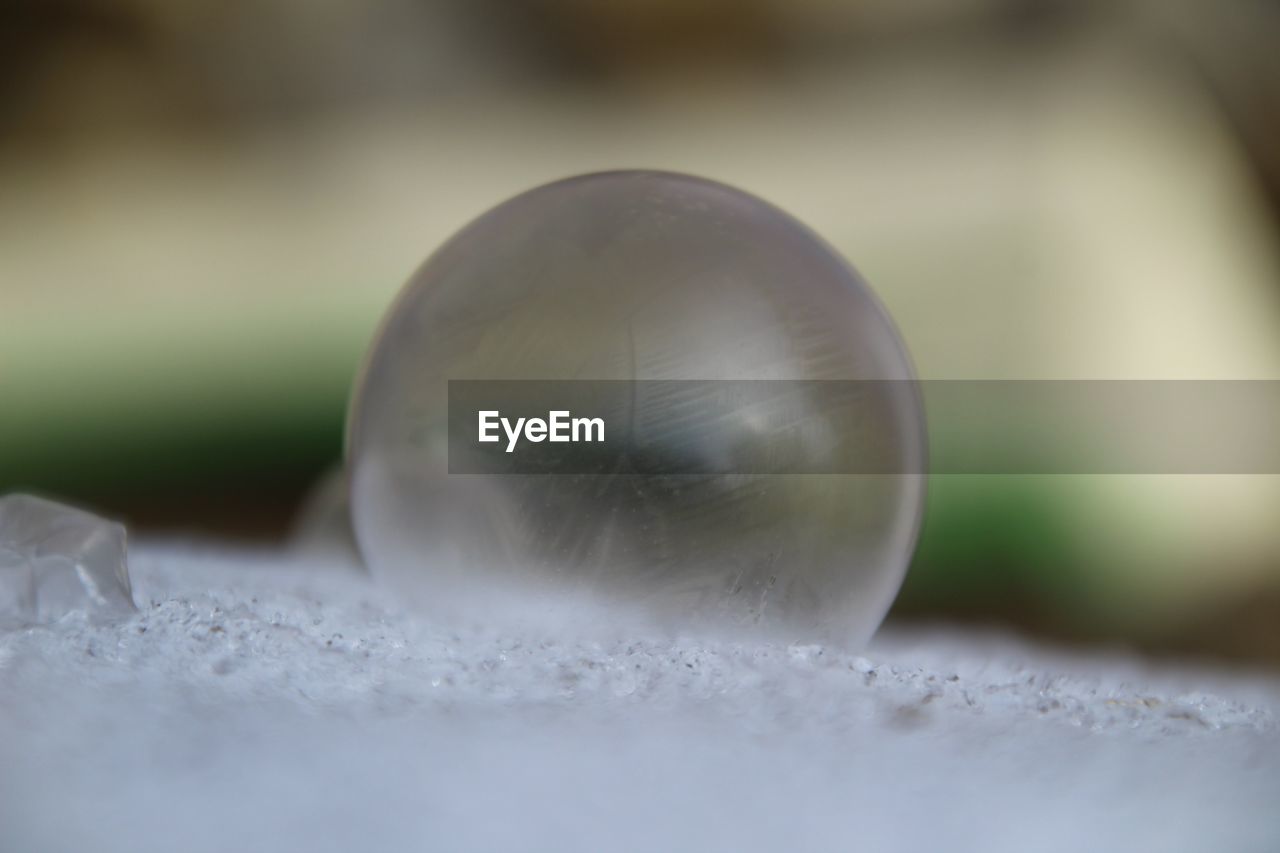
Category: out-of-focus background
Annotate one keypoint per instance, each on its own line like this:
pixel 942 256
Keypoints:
pixel 205 208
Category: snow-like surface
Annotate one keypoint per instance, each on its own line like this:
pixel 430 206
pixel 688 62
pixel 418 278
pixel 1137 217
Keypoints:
pixel 257 703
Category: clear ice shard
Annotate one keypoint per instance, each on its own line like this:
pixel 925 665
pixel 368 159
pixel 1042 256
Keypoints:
pixel 56 559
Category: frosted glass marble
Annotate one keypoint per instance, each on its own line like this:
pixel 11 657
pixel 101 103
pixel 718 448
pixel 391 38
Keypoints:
pixel 56 559
pixel 634 276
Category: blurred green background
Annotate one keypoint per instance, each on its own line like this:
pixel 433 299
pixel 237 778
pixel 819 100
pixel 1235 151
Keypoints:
pixel 205 208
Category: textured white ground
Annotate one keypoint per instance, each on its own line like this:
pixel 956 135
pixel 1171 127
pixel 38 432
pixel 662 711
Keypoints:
pixel 256 703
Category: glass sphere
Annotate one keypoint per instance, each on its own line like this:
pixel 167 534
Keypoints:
pixel 637 276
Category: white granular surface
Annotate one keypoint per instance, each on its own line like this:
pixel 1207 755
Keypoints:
pixel 260 703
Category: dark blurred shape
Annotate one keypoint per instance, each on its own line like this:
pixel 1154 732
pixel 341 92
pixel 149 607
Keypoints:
pixel 1233 44
pixel 613 41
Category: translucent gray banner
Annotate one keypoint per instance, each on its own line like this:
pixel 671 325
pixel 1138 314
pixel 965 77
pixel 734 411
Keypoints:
pixel 707 427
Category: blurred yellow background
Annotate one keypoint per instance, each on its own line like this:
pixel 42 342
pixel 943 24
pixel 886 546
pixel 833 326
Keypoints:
pixel 206 207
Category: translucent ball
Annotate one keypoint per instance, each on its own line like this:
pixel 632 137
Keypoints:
pixel 638 276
